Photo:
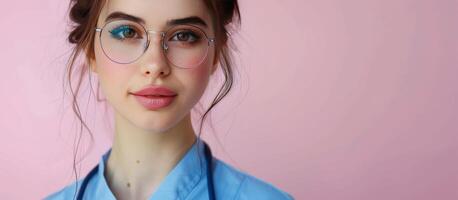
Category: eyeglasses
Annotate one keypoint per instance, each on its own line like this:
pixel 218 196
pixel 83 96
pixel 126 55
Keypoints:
pixel 124 42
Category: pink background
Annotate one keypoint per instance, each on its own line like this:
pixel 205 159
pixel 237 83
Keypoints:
pixel 351 99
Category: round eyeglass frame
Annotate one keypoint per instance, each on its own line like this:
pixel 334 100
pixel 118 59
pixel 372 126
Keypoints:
pixel 210 40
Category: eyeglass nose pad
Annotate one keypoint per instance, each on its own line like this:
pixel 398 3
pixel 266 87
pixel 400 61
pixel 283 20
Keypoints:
pixel 146 46
pixel 163 43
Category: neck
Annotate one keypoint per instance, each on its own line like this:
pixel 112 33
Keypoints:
pixel 140 160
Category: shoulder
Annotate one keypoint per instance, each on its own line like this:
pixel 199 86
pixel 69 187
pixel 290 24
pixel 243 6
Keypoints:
pixel 67 192
pixel 241 185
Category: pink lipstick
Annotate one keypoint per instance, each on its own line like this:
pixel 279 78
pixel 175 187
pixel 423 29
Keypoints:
pixel 155 97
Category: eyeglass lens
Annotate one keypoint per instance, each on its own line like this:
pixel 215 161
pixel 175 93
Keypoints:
pixel 124 41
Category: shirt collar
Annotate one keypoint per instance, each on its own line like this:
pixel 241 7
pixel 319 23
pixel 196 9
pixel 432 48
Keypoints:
pixel 178 183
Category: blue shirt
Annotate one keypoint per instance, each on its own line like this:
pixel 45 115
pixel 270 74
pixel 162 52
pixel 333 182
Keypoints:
pixel 186 181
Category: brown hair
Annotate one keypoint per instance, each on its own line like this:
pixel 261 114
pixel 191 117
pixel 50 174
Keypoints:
pixel 84 15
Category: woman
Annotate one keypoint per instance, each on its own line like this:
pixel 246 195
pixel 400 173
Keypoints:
pixel 153 60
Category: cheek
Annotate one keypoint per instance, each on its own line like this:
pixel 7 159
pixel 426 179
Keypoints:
pixel 202 72
pixel 113 77
pixel 196 80
pixel 192 60
pixel 198 77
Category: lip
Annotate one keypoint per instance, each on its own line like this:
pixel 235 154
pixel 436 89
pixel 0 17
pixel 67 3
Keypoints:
pixel 155 91
pixel 155 97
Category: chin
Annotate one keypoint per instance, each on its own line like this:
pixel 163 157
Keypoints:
pixel 157 123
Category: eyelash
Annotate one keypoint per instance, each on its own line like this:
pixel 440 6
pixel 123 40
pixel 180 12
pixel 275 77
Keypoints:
pixel 194 36
pixel 119 30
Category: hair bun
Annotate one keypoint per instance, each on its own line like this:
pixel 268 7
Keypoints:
pixel 230 8
pixel 79 11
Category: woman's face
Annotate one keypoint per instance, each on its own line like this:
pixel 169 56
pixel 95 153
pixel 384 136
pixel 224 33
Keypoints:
pixel 118 81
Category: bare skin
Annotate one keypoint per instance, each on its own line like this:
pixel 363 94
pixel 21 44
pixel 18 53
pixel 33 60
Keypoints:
pixel 137 177
pixel 148 144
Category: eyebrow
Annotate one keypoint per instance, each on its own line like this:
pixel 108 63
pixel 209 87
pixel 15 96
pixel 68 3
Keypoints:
pixel 187 20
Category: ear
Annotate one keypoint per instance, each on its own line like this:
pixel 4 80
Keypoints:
pixel 215 63
pixel 214 67
pixel 90 60
pixel 92 65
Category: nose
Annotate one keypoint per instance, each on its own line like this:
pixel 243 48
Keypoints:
pixel 154 63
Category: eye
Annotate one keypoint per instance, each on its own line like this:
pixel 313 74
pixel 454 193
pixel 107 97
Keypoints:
pixel 185 36
pixel 124 32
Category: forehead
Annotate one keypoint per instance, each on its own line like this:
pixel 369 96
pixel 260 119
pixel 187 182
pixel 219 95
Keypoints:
pixel 156 13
